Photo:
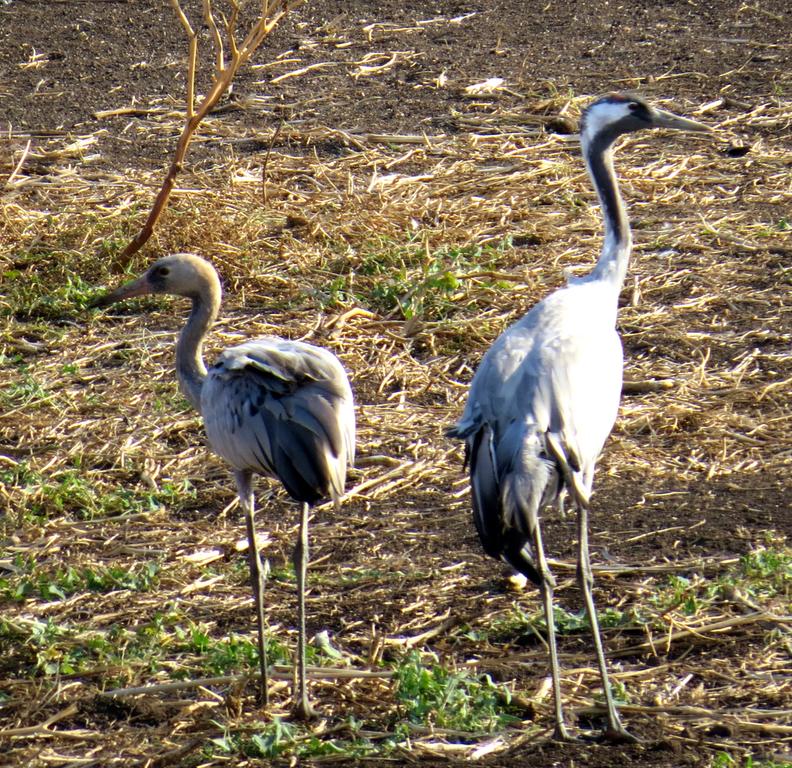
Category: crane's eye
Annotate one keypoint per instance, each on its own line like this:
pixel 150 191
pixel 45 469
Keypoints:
pixel 639 111
pixel 162 272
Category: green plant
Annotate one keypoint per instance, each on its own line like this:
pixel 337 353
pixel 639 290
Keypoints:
pixel 221 656
pixel 679 592
pixel 433 695
pixel 517 622
pixel 762 574
pixel 29 581
pixel 275 739
pixel 770 568
pixel 281 739
pixel 25 392
pixel 408 278
pixel 725 760
pixel 79 493
pixel 31 295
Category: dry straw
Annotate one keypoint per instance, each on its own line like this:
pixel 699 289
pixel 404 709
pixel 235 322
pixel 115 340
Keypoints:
pixel 367 243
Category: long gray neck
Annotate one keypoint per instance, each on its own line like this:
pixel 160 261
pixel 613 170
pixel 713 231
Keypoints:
pixel 612 263
pixel 190 367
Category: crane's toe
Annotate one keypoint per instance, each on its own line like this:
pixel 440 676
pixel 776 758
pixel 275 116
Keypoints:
pixel 619 735
pixel 303 710
pixel 561 734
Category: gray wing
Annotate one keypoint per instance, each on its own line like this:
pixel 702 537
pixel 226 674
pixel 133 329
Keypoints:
pixel 284 409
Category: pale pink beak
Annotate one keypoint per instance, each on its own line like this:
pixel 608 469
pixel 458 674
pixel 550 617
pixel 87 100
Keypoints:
pixel 138 287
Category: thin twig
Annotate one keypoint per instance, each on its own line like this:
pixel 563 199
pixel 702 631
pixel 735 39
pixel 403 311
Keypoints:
pixel 18 167
pixel 279 673
pixel 700 632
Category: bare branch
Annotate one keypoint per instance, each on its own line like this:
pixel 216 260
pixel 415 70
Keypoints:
pixel 216 36
pixel 185 22
pixel 224 73
pixel 192 63
pixel 192 56
pixel 232 25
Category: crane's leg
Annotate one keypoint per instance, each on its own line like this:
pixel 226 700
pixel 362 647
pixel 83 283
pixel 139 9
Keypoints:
pixel 615 731
pixel 244 482
pixel 302 706
pixel 560 732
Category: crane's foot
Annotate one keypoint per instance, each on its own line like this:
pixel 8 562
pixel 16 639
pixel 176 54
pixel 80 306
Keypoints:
pixel 618 734
pixel 560 733
pixel 303 710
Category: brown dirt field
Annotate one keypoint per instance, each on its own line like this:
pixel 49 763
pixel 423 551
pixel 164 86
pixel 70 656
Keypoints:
pixel 383 152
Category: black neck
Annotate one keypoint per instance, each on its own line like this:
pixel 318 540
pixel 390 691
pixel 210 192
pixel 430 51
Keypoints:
pixel 616 248
pixel 600 162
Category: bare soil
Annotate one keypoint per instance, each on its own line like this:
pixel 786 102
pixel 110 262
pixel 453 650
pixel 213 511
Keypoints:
pixel 114 54
pixel 63 64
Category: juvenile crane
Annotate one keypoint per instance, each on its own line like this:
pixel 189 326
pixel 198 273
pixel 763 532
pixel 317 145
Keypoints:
pixel 545 397
pixel 272 407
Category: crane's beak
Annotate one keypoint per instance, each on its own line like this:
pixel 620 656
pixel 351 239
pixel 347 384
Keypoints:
pixel 133 288
pixel 663 119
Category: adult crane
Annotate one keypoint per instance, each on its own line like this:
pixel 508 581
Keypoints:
pixel 272 407
pixel 545 397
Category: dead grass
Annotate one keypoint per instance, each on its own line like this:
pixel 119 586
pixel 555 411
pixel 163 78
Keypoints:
pixel 405 255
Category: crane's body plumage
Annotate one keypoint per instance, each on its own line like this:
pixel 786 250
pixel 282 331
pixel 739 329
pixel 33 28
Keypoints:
pixel 546 394
pixel 555 374
pixel 283 409
pixel 273 407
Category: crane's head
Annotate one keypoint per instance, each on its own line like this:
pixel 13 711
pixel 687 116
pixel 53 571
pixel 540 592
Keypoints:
pixel 603 121
pixel 181 274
